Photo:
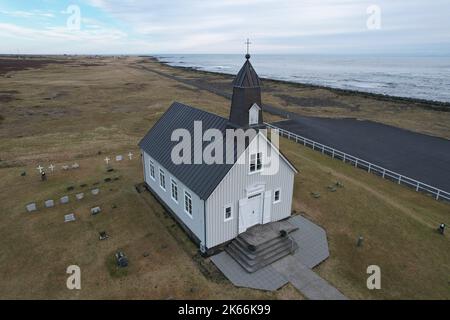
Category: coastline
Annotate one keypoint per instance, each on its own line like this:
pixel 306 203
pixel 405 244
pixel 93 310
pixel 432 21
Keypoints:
pixel 423 103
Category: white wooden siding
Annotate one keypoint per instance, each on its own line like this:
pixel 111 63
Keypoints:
pixel 233 187
pixel 196 222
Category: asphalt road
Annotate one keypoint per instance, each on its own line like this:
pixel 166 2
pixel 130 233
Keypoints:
pixel 418 156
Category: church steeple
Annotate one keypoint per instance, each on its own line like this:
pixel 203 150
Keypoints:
pixel 246 101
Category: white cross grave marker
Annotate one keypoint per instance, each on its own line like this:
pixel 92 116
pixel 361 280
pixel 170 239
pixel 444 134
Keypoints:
pixel 40 168
pixel 51 167
pixel 107 160
pixel 130 155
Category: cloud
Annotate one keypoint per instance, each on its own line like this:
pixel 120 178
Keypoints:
pixel 28 14
pixel 275 26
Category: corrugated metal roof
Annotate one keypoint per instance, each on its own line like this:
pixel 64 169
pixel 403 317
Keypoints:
pixel 200 178
pixel 247 77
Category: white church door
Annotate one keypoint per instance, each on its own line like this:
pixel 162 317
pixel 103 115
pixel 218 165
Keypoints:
pixel 250 212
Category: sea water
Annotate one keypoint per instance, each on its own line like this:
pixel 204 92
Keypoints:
pixel 421 77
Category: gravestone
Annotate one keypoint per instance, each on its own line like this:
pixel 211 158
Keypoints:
pixel 95 191
pixel 95 210
pixel 119 158
pixel 31 207
pixel 65 168
pixel 79 196
pixel 103 235
pixel 69 217
pixel 64 200
pixel 75 166
pixel 121 259
pixel 49 203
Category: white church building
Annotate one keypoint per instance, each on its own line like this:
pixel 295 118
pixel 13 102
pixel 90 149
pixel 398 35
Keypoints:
pixel 216 202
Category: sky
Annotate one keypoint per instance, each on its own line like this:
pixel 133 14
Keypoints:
pixel 409 27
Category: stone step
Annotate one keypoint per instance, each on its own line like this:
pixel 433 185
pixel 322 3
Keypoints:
pixel 260 250
pixel 258 263
pixel 260 247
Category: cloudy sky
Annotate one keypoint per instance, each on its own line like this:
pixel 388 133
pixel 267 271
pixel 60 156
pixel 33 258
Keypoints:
pixel 221 26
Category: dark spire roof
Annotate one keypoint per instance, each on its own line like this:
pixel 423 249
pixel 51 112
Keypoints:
pixel 247 76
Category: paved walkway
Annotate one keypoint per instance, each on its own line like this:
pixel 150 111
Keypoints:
pixel 306 281
pixel 295 268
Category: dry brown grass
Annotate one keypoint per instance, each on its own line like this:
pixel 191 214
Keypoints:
pixel 95 109
pixel 71 112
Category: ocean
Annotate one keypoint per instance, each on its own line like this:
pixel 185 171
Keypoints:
pixel 412 77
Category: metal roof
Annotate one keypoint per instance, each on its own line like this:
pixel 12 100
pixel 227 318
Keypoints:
pixel 200 178
pixel 247 77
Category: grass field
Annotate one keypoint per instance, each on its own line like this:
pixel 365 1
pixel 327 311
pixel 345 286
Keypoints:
pixel 82 110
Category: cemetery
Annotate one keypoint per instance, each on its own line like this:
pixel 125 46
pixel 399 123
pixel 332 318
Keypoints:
pixel 366 219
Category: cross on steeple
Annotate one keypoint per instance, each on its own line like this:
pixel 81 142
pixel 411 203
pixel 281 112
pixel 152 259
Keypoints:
pixel 248 43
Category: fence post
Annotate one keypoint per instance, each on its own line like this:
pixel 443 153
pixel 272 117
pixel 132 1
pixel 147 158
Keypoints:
pixel 399 179
pixel 418 185
pixel 368 170
pixel 314 144
pixel 333 154
pixel 356 163
pixel 343 159
pixel 384 172
pixel 323 149
pixel 437 195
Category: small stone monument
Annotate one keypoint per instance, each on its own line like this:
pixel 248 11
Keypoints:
pixel 64 200
pixel 69 217
pixel 360 241
pixel 79 196
pixel 31 207
pixel 442 228
pixel 103 235
pixel 95 210
pixel 65 167
pixel 119 158
pixel 49 203
pixel 121 260
pixel 75 166
pixel 95 191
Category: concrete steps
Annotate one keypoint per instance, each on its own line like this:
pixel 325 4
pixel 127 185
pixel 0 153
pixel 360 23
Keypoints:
pixel 257 248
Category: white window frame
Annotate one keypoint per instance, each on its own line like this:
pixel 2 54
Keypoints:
pixel 163 175
pixel 256 162
pixel 225 212
pixel 173 182
pixel 188 196
pixel 152 170
pixel 258 109
pixel 279 195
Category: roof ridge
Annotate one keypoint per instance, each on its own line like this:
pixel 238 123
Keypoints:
pixel 197 109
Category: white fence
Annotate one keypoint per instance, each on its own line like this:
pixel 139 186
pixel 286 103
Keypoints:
pixel 363 164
